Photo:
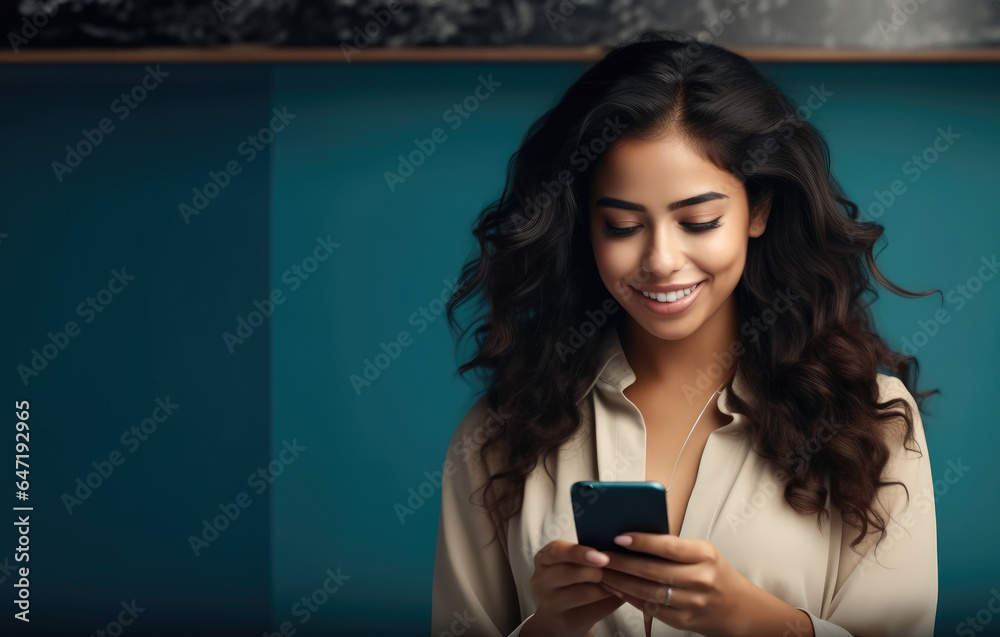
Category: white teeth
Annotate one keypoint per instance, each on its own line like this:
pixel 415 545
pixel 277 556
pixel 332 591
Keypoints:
pixel 669 297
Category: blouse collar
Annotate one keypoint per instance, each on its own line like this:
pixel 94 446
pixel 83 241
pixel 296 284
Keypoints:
pixel 614 370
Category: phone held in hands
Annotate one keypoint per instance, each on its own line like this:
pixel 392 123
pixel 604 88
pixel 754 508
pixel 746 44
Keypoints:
pixel 603 510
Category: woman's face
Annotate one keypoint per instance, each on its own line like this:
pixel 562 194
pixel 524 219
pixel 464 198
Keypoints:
pixel 677 220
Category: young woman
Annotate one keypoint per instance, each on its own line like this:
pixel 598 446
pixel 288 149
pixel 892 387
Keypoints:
pixel 678 290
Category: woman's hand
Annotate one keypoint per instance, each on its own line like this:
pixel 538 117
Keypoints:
pixel 707 594
pixel 566 583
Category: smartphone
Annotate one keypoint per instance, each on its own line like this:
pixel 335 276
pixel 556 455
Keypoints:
pixel 603 510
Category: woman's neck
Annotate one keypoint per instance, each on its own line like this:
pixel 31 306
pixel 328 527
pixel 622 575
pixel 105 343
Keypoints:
pixel 701 361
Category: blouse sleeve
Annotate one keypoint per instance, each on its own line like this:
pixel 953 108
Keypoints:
pixel 891 592
pixel 473 589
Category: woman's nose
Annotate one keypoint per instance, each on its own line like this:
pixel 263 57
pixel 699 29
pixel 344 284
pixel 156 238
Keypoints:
pixel 663 256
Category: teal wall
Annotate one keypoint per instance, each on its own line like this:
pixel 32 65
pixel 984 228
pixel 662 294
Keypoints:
pixel 312 223
pixel 157 338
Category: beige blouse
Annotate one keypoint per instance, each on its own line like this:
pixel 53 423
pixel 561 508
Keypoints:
pixel 737 504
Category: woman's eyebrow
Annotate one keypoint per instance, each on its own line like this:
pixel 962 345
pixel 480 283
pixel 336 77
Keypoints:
pixel 612 202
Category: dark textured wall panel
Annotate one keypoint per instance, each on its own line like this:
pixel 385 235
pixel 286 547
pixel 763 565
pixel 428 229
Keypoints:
pixel 879 24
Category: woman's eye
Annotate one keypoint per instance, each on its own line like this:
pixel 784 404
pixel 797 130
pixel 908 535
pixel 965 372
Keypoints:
pixel 702 227
pixel 615 231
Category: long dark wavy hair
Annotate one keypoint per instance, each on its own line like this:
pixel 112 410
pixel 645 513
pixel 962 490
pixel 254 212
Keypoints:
pixel 816 364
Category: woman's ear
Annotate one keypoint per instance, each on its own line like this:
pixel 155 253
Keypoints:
pixel 759 215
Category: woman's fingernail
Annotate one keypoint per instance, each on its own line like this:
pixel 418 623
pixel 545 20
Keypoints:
pixel 597 558
pixel 613 591
pixel 623 540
